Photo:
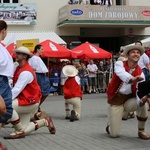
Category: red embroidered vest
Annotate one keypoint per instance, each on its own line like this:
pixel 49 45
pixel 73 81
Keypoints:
pixel 31 94
pixel 115 83
pixel 72 88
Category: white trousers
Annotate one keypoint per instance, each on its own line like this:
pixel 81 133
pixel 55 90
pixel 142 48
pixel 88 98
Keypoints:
pixel 25 112
pixel 76 102
pixel 115 113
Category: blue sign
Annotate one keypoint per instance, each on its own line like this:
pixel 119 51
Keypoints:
pixel 76 12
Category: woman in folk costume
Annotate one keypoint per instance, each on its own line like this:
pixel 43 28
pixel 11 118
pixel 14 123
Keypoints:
pixel 40 69
pixel 72 93
pixel 26 96
pixel 6 71
pixel 122 93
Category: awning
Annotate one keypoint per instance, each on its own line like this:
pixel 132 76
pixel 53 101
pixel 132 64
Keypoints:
pixel 145 42
pixel 41 35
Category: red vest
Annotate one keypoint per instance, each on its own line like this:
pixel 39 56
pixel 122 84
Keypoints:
pixel 31 94
pixel 72 88
pixel 116 82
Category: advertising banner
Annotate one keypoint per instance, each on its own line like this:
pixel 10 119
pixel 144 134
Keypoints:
pixel 30 43
pixel 18 14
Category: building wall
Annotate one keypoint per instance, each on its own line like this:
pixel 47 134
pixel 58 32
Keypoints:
pixel 47 15
pixel 139 2
pixel 47 19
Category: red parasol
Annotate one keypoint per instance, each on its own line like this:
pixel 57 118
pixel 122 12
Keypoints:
pixel 54 50
pixel 10 49
pixel 88 50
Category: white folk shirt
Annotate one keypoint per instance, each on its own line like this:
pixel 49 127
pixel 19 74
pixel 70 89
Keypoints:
pixel 92 67
pixel 24 78
pixel 143 61
pixel 125 77
pixel 77 79
pixel 37 64
pixel 6 63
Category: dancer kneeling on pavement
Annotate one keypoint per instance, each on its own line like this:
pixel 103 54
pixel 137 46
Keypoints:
pixel 72 93
pixel 122 93
pixel 26 96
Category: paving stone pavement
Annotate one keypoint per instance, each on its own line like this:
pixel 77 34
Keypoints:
pixel 86 134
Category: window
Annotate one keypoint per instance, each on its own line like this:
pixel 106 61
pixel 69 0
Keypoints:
pixel 9 1
pixel 15 1
pixel 120 2
pixel 5 1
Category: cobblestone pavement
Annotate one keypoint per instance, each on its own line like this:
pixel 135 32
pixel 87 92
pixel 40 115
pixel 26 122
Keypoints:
pixel 86 134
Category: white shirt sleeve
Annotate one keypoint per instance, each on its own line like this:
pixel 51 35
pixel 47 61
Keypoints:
pixel 77 78
pixel 37 64
pixel 24 78
pixel 121 72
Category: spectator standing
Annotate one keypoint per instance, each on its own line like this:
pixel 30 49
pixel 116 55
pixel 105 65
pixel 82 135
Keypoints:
pixel 84 73
pixel 102 77
pixel 72 93
pixel 25 102
pixel 97 2
pixel 144 63
pixel 55 77
pixel 122 92
pixel 106 2
pixel 92 68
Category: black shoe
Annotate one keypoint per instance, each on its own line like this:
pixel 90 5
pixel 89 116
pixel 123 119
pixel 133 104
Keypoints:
pixel 107 129
pixel 67 117
pixel 72 117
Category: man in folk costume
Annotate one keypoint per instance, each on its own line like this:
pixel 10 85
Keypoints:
pixel 122 93
pixel 26 96
pixel 72 93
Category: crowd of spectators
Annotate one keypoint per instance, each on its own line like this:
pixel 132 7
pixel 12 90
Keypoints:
pixel 102 75
pixel 92 2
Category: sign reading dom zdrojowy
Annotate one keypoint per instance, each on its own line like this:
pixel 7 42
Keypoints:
pixel 18 14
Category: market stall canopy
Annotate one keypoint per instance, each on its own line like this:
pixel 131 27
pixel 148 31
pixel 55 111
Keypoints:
pixel 41 35
pixel 22 37
pixel 54 50
pixel 145 42
pixel 88 50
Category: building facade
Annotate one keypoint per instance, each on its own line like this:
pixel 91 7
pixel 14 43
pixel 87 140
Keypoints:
pixel 109 27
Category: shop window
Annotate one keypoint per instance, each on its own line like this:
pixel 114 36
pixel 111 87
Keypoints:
pixel 73 44
pixel 120 2
pixel 15 1
pixel 9 1
pixel 6 1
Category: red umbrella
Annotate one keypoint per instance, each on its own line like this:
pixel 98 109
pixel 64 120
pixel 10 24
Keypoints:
pixel 10 49
pixel 88 50
pixel 52 49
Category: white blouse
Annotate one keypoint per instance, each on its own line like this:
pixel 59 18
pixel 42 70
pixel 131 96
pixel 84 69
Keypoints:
pixel 37 64
pixel 6 62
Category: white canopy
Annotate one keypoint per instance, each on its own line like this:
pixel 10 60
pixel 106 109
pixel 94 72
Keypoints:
pixel 145 42
pixel 41 35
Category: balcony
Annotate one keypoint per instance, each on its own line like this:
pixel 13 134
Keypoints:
pixel 104 16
